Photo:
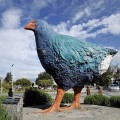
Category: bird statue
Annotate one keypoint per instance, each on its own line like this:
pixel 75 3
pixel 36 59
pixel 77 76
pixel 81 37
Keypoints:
pixel 70 61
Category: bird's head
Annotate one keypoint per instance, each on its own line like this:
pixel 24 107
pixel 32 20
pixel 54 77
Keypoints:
pixel 39 26
pixel 31 25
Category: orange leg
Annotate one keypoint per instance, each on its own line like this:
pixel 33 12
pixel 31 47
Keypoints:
pixel 56 104
pixel 76 101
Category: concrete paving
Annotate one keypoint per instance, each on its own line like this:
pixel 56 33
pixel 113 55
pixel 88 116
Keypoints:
pixel 86 112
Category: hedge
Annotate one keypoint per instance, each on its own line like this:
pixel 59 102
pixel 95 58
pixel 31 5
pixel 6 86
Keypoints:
pixel 68 98
pixel 33 96
pixel 113 101
pixel 97 100
pixel 2 98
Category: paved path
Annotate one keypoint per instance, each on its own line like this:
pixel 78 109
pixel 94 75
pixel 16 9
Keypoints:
pixel 87 112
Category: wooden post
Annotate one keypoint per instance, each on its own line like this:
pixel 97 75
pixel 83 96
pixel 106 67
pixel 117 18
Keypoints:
pixel 88 90
pixel 100 90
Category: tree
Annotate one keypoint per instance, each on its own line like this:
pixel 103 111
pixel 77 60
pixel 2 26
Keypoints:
pixel 6 85
pixel 117 73
pixel 43 76
pixel 45 83
pixel 105 78
pixel 23 82
pixel 8 77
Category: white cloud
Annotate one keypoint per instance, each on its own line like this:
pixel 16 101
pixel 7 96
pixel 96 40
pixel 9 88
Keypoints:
pixel 61 28
pixel 11 18
pixel 17 47
pixel 2 1
pixel 42 3
pixel 80 14
pixel 31 9
pixel 109 24
pixel 116 59
pixel 87 10
pixel 112 23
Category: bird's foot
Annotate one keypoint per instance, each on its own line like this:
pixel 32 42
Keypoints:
pixel 56 104
pixel 48 110
pixel 72 106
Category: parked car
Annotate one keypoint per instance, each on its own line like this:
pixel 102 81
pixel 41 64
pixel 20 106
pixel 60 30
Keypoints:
pixel 113 87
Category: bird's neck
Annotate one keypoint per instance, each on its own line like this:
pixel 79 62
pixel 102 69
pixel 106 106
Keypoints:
pixel 44 49
pixel 42 42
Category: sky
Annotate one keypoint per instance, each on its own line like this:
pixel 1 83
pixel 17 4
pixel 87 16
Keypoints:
pixel 95 21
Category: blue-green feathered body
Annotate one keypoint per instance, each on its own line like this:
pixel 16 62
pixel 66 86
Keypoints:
pixel 70 61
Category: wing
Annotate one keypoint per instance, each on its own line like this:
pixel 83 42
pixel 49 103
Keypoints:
pixel 76 52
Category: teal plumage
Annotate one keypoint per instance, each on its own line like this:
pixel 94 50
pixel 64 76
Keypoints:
pixel 75 51
pixel 70 61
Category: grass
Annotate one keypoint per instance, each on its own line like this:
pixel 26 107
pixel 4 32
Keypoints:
pixel 4 115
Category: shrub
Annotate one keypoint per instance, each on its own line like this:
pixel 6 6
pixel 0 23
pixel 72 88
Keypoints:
pixel 2 98
pixel 115 101
pixel 97 100
pixel 89 99
pixel 33 96
pixel 3 113
pixel 68 98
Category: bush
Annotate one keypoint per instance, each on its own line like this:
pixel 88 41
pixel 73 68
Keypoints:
pixel 68 98
pixel 115 101
pixel 2 98
pixel 97 100
pixel 3 113
pixel 89 99
pixel 33 96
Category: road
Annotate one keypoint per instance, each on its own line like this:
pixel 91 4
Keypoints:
pixel 93 91
pixel 111 93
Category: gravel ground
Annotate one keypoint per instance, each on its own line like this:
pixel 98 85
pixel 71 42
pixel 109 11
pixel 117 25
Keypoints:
pixel 86 112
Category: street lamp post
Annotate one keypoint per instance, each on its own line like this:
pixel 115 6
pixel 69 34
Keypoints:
pixel 12 75
pixel 1 85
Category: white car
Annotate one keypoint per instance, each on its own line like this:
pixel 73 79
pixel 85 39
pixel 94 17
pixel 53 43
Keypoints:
pixel 113 87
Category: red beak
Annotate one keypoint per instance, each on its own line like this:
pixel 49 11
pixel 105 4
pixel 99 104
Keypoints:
pixel 30 26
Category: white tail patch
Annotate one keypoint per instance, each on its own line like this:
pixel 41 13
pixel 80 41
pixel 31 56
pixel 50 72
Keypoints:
pixel 105 64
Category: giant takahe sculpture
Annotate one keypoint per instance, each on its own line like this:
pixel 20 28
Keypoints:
pixel 71 62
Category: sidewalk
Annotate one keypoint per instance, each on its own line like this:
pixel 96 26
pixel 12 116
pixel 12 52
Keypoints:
pixel 86 112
